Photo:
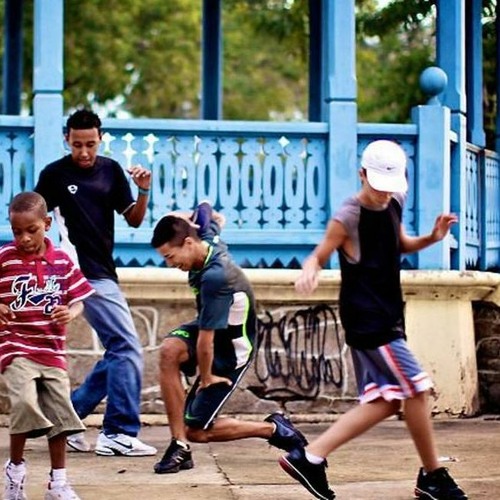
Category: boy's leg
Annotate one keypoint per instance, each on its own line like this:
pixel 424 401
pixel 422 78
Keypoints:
pixel 308 466
pixel 118 375
pixel 203 425
pixel 230 429
pixel 276 428
pixel 17 443
pixel 352 424
pixel 418 421
pixel 58 486
pixel 173 353
pixel 57 451
pixel 176 356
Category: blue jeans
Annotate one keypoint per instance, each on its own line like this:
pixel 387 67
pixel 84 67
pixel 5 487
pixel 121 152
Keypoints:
pixel 118 374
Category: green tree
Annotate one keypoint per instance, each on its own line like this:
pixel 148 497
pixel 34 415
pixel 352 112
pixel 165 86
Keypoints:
pixel 143 57
pixel 265 47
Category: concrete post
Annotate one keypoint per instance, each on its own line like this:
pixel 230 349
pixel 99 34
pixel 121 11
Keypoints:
pixel 48 82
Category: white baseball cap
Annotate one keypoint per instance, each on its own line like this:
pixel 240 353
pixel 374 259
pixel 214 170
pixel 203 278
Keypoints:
pixel 385 165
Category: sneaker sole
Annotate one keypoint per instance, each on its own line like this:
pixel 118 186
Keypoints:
pixel 422 495
pixel 296 474
pixel 184 466
pixel 111 452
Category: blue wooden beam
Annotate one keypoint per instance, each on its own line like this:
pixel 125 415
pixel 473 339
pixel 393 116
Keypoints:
pixel 339 108
pixel 450 41
pixel 451 58
pixel 474 79
pixel 48 82
pixel 315 60
pixel 12 57
pixel 211 93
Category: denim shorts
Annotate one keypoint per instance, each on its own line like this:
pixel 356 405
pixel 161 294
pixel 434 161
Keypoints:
pixel 40 400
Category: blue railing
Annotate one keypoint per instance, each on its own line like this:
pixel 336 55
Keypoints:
pixel 482 209
pixel 269 179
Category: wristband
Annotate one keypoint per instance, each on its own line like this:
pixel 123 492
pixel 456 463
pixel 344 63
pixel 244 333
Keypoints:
pixel 143 191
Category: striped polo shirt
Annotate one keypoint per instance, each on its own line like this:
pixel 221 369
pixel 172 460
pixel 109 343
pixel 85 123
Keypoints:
pixel 31 286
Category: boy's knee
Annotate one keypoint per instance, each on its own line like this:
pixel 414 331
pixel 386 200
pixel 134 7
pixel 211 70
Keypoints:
pixel 172 353
pixel 197 435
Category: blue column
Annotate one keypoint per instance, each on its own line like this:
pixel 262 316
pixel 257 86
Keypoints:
pixel 451 58
pixel 432 168
pixel 339 108
pixel 12 74
pixel 474 80
pixel 211 94
pixel 315 61
pixel 48 82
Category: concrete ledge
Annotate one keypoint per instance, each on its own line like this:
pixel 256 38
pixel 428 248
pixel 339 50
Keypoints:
pixel 439 318
pixel 153 283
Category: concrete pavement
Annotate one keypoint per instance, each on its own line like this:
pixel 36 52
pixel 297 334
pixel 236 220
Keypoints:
pixel 381 464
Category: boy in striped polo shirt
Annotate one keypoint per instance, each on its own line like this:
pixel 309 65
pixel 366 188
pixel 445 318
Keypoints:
pixel 41 290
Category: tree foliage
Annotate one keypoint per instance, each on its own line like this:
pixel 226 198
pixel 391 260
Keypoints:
pixel 143 57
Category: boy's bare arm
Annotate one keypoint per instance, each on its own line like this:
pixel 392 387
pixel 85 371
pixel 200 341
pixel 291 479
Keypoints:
pixel 335 237
pixel 410 244
pixel 205 358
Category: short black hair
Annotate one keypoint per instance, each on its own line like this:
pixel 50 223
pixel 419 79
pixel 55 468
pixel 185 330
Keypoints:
pixel 83 119
pixel 172 229
pixel 28 201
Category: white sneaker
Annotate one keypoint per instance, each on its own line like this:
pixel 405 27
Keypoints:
pixel 121 444
pixel 15 478
pixel 77 442
pixel 64 492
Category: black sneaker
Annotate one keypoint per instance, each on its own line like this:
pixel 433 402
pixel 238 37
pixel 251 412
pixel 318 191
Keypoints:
pixel 286 436
pixel 438 485
pixel 174 459
pixel 311 476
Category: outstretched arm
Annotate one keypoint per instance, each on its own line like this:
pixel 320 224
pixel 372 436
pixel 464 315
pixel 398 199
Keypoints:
pixel 410 244
pixel 334 238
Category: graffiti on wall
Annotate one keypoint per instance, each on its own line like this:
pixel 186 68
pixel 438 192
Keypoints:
pixel 300 351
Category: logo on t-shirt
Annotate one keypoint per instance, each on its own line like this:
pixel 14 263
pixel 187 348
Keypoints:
pixel 28 293
pixel 72 188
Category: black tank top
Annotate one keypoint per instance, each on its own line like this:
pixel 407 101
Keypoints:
pixel 371 302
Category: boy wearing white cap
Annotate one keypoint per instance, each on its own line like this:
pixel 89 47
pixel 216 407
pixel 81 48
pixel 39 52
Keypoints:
pixel 370 238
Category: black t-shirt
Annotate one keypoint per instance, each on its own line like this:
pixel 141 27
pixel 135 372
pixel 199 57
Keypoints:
pixel 87 199
pixel 371 300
